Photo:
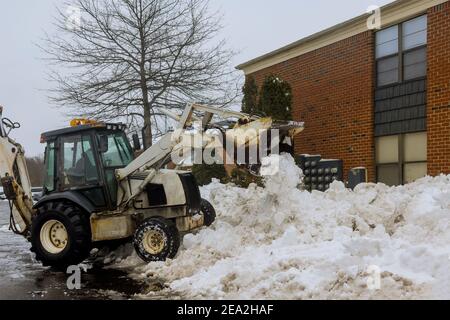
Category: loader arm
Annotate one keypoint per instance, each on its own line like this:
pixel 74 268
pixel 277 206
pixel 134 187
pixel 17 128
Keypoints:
pixel 15 178
pixel 162 149
pixel 165 146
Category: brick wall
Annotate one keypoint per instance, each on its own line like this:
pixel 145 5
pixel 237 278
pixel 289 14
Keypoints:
pixel 438 108
pixel 333 91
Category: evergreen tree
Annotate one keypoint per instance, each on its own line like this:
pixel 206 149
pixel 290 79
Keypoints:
pixel 204 173
pixel 250 100
pixel 276 98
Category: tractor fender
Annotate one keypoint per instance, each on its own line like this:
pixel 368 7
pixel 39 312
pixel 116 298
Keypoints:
pixel 71 196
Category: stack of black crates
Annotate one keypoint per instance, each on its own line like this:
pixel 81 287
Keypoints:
pixel 319 173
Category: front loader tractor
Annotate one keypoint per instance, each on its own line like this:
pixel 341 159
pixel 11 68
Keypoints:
pixel 96 191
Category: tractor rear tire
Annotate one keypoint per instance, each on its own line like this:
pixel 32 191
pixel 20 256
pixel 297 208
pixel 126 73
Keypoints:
pixel 208 211
pixel 60 235
pixel 156 239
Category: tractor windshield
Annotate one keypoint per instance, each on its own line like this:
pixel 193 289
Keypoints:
pixel 119 153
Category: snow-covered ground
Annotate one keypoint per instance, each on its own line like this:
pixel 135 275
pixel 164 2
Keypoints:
pixel 279 242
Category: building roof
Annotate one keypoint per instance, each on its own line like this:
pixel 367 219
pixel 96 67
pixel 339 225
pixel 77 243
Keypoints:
pixel 391 13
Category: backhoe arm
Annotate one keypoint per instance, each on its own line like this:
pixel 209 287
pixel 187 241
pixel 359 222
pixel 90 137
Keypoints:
pixel 15 178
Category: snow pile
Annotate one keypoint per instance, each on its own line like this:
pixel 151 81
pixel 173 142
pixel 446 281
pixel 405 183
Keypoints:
pixel 279 242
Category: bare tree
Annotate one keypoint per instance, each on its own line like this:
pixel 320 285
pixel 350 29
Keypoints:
pixel 128 57
pixel 36 170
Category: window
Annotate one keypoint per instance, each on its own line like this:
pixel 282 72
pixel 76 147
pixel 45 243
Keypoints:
pixel 387 42
pixel 414 33
pixel 49 181
pixel 387 150
pixel 119 153
pixel 389 175
pixel 401 158
pixel 415 157
pixel 415 64
pixel 79 166
pixel 401 52
pixel 387 71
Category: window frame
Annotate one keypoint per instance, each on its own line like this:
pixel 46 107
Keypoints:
pixel 401 158
pixel 400 54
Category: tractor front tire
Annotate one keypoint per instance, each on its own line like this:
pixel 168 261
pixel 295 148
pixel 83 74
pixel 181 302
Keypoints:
pixel 209 214
pixel 60 235
pixel 156 239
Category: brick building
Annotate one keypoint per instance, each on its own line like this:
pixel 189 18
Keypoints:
pixel 373 98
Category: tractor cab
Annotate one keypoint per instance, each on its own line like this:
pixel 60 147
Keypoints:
pixel 80 162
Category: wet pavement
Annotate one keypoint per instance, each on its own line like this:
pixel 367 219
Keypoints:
pixel 22 278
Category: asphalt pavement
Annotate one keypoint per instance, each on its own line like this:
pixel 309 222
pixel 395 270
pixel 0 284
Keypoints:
pixel 23 278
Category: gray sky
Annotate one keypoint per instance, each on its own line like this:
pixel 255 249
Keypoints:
pixel 253 27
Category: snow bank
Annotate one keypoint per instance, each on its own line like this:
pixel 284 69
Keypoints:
pixel 279 242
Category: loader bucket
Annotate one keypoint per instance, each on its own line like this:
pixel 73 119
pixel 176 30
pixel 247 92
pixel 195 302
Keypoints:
pixel 248 139
pixel 249 134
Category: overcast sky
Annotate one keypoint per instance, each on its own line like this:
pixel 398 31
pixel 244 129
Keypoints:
pixel 252 27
